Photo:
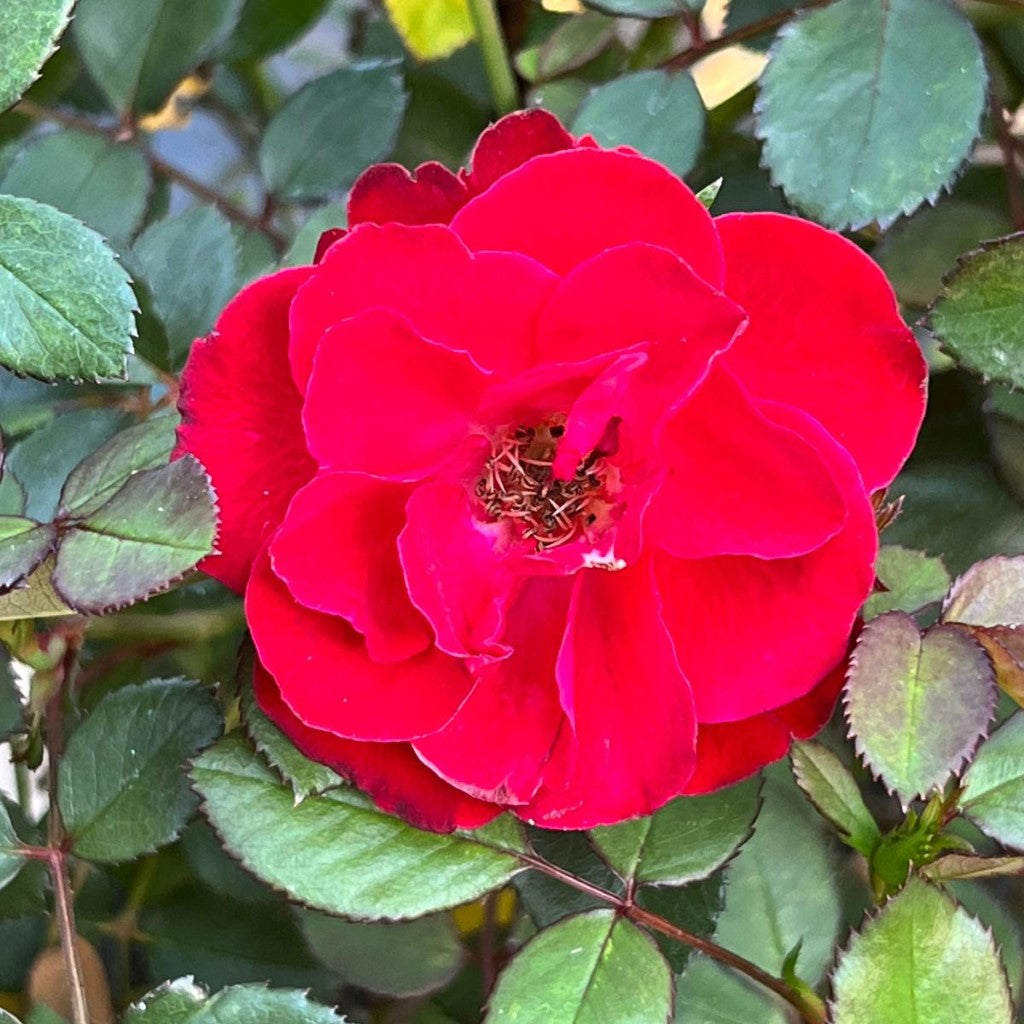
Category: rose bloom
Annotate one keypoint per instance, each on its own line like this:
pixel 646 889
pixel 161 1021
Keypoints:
pixel 547 491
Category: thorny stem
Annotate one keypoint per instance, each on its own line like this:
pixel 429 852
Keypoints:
pixel 491 38
pixel 56 854
pixel 638 915
pixel 159 166
pixel 1001 127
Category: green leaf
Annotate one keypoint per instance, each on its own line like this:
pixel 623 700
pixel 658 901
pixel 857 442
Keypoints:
pixel 921 960
pixel 694 907
pixel 306 777
pixel 36 599
pixel 128 751
pixel 24 544
pixel 1004 423
pixel 916 253
pixel 266 26
pixel 10 863
pixel 64 300
pixel 104 184
pixel 574 42
pixel 709 193
pixel 912 580
pixel 656 112
pixel 7 1018
pixel 29 30
pixel 393 958
pixel 990 593
pixel 189 263
pixel 978 313
pixel 917 705
pixel 688 839
pixel 993 788
pixel 303 248
pixel 742 13
pixel 355 859
pixel 146 537
pixel 710 994
pixel 98 478
pixel 593 967
pixel 329 131
pixel 222 942
pixel 641 8
pixel 775 898
pixel 11 712
pixel 833 790
pixel 216 869
pixel 137 53
pixel 870 67
pixel 184 1002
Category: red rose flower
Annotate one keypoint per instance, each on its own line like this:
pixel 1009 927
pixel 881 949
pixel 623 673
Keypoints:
pixel 547 491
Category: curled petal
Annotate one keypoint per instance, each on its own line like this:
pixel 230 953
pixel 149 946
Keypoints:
pixel 337 550
pixel 387 193
pixel 563 208
pixel 241 418
pixel 826 336
pixel 753 634
pixel 328 680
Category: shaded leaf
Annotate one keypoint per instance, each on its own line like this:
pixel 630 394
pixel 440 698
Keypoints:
pixel 694 907
pixel 266 26
pixel 396 958
pixel 331 129
pixel 595 966
pixel 990 593
pixel 147 536
pixel 10 702
pixel 710 994
pixel 104 184
pixel 29 30
pixel 216 869
pixel 957 866
pixel 656 112
pixel 686 840
pixel 24 544
pixel 641 8
pixel 189 263
pixel 10 862
pixel 912 580
pixel 356 860
pixel 709 193
pixel 184 1002
pixel 222 942
pixel 917 705
pixel 137 53
pixel 303 775
pixel 775 899
pixel 834 791
pixel 978 314
pixel 131 747
pixel 993 788
pixel 949 971
pixel 870 66
pixel 741 14
pixel 65 302
pixel 575 42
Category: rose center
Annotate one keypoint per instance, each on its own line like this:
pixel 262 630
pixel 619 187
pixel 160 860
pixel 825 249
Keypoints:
pixel 518 486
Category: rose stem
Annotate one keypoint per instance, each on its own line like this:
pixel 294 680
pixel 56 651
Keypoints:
pixel 500 76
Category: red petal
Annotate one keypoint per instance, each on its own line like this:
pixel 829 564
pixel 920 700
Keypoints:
pixel 388 192
pixel 499 741
pixel 825 335
pixel 637 293
pixel 326 240
pixel 512 141
pixel 563 208
pixel 456 570
pixel 739 483
pixel 754 634
pixel 382 400
pixel 730 751
pixel 241 419
pixel 390 772
pixel 632 745
pixel 337 550
pixel 326 678
pixel 486 305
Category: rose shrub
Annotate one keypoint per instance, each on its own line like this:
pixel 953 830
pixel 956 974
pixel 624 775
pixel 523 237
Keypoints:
pixel 546 490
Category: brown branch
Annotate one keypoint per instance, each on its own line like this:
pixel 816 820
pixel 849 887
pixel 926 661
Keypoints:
pixel 117 133
pixel 1001 127
pixel 638 915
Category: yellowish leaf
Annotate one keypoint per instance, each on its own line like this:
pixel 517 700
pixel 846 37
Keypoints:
pixel 431 29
